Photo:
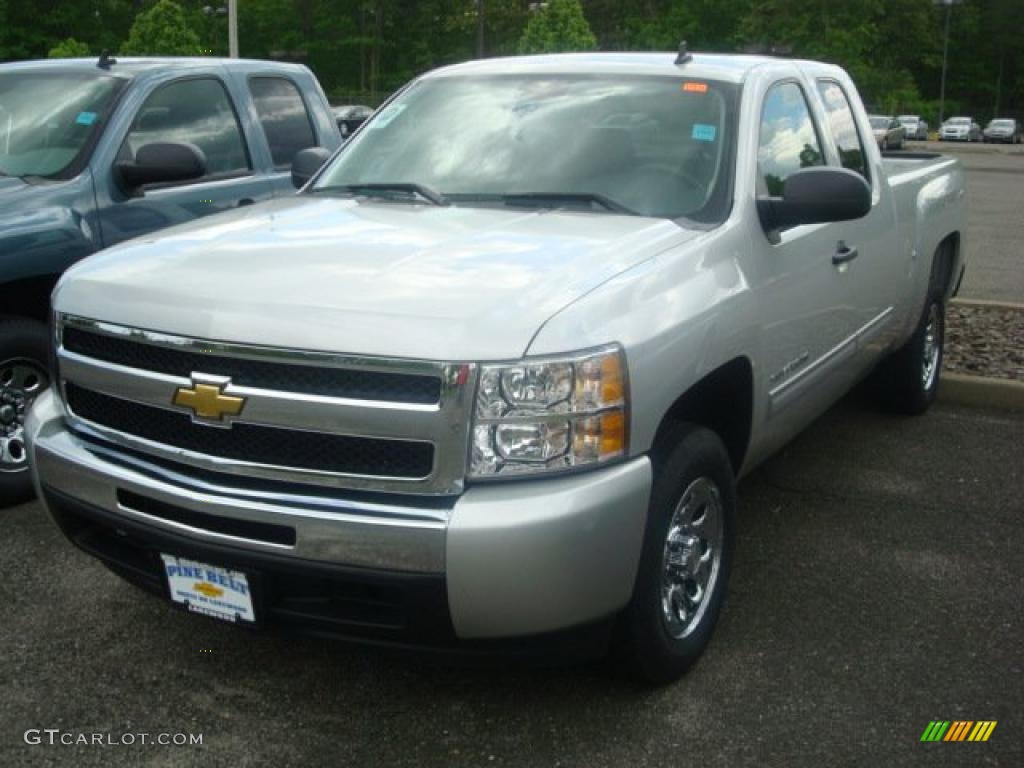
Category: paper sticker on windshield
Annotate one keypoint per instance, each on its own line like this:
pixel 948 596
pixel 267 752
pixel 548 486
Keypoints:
pixel 386 115
pixel 704 132
pixel 86 118
pixel 694 87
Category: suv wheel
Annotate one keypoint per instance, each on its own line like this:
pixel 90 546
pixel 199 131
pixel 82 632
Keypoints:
pixel 23 376
pixel 687 556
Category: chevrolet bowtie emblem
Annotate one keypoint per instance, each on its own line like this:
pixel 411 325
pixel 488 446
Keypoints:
pixel 206 588
pixel 207 400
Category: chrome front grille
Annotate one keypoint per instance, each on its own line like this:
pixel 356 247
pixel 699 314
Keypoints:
pixel 309 417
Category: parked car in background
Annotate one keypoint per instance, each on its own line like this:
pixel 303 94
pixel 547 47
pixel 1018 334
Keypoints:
pixel 913 127
pixel 351 117
pixel 94 153
pixel 1004 130
pixel 888 132
pixel 960 129
pixel 472 392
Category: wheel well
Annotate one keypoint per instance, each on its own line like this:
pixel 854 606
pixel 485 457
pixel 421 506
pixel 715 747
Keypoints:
pixel 942 276
pixel 28 298
pixel 723 402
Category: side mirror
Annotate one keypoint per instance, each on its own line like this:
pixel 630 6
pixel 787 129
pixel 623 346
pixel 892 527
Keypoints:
pixel 306 163
pixel 162 162
pixel 815 196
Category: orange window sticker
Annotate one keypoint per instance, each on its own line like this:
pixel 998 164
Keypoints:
pixel 695 87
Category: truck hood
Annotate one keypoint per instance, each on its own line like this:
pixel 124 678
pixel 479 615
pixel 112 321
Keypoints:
pixel 358 277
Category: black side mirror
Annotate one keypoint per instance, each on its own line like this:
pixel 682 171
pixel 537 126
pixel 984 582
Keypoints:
pixel 815 196
pixel 306 163
pixel 162 162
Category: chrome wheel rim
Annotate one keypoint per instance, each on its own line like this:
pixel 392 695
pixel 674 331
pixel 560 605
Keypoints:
pixel 692 557
pixel 932 348
pixel 21 381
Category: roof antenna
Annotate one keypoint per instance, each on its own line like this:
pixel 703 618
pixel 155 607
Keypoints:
pixel 106 59
pixel 684 55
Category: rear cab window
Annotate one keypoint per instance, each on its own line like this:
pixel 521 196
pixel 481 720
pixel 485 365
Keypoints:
pixel 284 117
pixel 843 128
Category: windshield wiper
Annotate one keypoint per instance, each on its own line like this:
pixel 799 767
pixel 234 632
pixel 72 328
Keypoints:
pixel 589 198
pixel 428 194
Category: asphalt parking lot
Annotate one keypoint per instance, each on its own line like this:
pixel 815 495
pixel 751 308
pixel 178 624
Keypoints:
pixel 878 585
pixel 995 228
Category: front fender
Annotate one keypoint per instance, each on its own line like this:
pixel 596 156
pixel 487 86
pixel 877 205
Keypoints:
pixel 679 316
pixel 42 241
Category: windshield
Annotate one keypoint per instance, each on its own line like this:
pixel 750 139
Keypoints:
pixel 1001 124
pixel 880 122
pixel 959 121
pixel 48 119
pixel 908 118
pixel 653 146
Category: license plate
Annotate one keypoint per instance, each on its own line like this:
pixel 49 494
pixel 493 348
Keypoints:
pixel 209 589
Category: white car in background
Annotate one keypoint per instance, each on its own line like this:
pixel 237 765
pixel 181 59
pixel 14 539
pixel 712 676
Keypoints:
pixel 913 127
pixel 960 129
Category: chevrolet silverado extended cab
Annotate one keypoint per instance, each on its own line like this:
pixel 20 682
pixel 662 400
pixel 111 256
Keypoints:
pixel 95 152
pixel 493 373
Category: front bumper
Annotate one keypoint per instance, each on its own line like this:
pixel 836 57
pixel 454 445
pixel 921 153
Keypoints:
pixel 502 560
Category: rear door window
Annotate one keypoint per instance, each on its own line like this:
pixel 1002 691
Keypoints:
pixel 283 115
pixel 843 127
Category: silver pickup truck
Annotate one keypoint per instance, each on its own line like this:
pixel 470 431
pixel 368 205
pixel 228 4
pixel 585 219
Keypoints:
pixel 489 379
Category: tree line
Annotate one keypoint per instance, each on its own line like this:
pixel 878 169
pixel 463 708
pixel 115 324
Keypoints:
pixel 364 49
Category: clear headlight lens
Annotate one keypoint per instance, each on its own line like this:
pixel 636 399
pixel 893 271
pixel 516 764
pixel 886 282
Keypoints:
pixel 547 415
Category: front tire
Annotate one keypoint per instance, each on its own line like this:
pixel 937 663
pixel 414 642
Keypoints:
pixel 687 555
pixel 23 377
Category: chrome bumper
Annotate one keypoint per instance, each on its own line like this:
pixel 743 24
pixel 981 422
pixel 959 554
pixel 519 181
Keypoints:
pixel 519 558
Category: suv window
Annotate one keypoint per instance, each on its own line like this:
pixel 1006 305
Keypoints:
pixel 788 140
pixel 284 118
pixel 843 127
pixel 196 111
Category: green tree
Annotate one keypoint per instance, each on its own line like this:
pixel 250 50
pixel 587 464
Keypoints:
pixel 163 30
pixel 68 48
pixel 558 25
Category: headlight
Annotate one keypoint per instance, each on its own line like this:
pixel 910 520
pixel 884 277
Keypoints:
pixel 547 415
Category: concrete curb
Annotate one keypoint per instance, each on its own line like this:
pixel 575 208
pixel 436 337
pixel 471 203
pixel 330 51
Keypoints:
pixel 982 391
pixel 988 304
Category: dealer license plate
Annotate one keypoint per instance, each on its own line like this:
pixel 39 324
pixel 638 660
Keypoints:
pixel 209 589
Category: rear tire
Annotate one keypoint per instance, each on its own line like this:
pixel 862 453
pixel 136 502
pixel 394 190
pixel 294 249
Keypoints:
pixel 687 556
pixel 909 379
pixel 24 348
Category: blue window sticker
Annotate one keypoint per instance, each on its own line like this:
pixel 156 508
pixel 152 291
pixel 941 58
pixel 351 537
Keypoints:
pixel 86 118
pixel 704 132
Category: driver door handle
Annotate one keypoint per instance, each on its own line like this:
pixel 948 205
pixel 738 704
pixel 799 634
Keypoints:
pixel 843 254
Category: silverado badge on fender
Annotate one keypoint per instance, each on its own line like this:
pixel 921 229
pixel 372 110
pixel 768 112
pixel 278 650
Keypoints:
pixel 207 401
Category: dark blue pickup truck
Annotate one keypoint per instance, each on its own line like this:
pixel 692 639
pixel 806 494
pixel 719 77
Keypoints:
pixel 93 152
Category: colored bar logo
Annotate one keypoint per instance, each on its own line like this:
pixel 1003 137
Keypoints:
pixel 958 730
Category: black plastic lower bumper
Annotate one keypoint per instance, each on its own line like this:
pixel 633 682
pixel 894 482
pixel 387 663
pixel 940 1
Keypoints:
pixel 378 607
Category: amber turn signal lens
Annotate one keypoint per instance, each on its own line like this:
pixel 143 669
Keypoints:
pixel 612 389
pixel 613 434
